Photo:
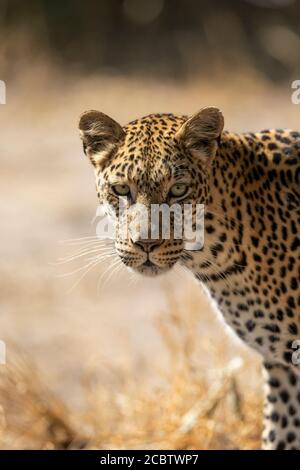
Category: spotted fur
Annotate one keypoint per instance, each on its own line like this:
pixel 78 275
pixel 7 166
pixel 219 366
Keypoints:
pixel 250 185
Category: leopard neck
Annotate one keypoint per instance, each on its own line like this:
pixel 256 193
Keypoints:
pixel 225 213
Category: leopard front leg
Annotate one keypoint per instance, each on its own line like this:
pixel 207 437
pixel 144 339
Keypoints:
pixel 281 408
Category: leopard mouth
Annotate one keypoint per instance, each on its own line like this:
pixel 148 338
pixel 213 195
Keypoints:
pixel 149 264
pixel 151 269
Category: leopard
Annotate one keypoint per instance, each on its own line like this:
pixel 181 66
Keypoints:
pixel 249 186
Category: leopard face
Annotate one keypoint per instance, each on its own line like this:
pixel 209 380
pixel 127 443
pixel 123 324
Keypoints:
pixel 156 160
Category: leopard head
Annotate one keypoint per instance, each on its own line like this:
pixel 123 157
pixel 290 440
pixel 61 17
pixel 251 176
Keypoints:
pixel 160 160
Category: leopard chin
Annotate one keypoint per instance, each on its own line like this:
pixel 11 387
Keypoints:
pixel 150 269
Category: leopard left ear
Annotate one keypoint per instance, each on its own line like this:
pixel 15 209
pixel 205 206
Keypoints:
pixel 201 133
pixel 100 134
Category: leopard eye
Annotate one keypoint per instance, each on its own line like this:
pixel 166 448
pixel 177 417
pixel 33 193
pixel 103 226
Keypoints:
pixel 178 190
pixel 121 189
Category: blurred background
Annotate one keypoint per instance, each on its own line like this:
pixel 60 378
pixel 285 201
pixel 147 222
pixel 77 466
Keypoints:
pixel 96 359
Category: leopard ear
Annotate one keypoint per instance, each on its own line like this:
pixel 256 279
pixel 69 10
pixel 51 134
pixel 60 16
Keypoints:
pixel 201 133
pixel 99 134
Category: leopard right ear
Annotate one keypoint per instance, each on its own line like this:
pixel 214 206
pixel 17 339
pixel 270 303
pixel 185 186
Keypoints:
pixel 201 132
pixel 99 134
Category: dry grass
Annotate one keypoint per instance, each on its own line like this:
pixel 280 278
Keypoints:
pixel 187 409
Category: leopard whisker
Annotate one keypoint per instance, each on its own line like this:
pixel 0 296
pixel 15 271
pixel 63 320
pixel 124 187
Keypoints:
pixel 110 267
pixel 91 260
pixel 70 258
pixel 89 268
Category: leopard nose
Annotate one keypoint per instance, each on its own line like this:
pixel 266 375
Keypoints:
pixel 148 245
